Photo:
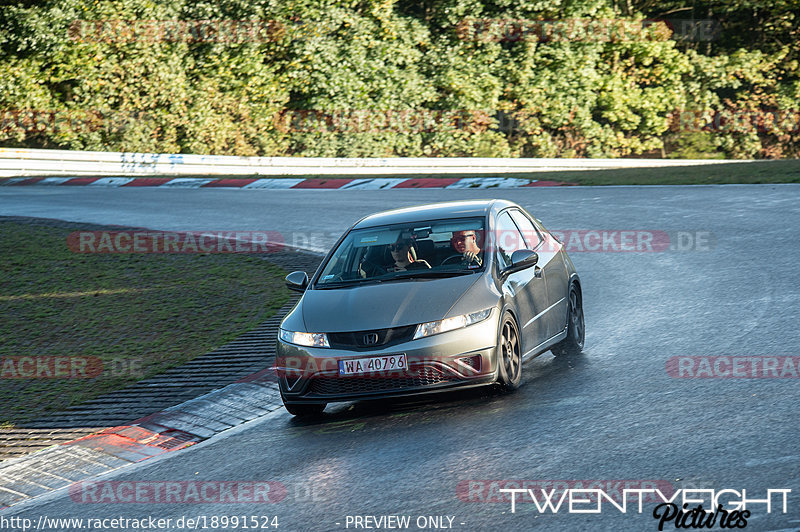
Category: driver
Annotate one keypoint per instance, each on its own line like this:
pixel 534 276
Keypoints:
pixel 466 243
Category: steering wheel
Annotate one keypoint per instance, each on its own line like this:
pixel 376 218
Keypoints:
pixel 454 258
pixel 374 269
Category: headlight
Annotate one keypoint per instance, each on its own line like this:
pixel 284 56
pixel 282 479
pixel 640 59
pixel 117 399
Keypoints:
pixel 450 324
pixel 304 338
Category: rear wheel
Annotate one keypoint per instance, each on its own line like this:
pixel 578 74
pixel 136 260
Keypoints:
pixel 509 354
pixel 576 330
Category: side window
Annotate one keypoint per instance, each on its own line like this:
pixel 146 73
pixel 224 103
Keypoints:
pixel 508 239
pixel 532 237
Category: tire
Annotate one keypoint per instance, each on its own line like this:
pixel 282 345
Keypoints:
pixel 509 354
pixel 576 328
pixel 304 409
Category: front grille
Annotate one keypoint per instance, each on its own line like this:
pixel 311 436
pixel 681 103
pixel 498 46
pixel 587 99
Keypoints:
pixel 427 376
pixel 382 337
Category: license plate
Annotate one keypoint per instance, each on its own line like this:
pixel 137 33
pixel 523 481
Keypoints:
pixel 358 366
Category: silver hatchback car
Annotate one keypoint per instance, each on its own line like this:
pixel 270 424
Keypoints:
pixel 427 299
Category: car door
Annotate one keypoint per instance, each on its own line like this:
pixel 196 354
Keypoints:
pixel 526 287
pixel 553 270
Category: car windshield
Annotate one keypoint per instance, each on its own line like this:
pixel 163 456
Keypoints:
pixel 419 250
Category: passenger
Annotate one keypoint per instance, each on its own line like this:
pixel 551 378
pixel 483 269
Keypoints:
pixel 466 243
pixel 405 258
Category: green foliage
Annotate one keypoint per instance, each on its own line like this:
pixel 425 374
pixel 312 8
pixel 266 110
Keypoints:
pixel 531 78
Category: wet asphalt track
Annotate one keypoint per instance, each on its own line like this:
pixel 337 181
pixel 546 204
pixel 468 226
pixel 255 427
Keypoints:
pixel 613 413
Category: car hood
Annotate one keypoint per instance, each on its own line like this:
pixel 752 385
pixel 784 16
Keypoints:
pixel 384 305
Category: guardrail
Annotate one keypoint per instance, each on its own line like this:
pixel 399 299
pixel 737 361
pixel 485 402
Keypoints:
pixel 30 162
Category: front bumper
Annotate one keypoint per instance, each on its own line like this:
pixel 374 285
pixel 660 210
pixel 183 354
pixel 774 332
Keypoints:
pixel 461 358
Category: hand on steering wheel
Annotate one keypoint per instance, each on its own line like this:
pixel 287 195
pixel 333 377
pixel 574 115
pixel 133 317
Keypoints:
pixel 467 257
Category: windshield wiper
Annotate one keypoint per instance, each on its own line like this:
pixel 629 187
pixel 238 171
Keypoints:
pixel 351 282
pixel 431 274
pixel 415 274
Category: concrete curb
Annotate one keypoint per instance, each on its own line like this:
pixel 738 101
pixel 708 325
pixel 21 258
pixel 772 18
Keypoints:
pixel 284 183
pixel 171 429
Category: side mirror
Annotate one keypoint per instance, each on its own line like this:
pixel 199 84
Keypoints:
pixel 297 281
pixel 521 260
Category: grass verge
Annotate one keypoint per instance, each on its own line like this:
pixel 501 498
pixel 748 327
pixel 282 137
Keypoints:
pixel 785 171
pixel 129 316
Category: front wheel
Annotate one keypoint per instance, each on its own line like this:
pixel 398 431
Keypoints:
pixel 509 355
pixel 576 329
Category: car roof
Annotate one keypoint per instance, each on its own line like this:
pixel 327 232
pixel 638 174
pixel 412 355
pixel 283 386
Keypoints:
pixel 434 211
